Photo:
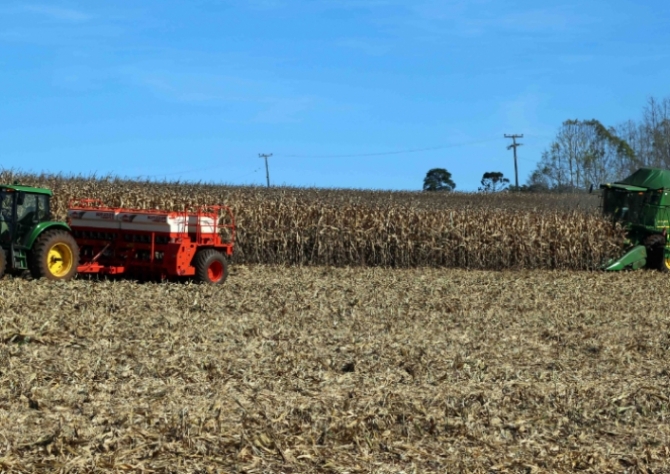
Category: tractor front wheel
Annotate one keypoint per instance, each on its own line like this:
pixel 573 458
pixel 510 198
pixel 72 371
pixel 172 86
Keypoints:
pixel 55 256
pixel 3 263
pixel 210 267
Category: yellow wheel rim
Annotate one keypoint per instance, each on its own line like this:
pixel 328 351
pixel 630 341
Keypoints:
pixel 666 262
pixel 59 260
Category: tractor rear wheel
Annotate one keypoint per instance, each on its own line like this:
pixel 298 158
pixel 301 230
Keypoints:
pixel 55 256
pixel 3 262
pixel 210 267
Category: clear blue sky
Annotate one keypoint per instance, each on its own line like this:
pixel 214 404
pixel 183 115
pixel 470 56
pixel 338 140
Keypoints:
pixel 195 90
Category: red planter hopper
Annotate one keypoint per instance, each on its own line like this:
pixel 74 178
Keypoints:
pixel 152 242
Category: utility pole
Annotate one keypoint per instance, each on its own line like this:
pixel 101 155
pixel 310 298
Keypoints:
pixel 267 170
pixel 515 145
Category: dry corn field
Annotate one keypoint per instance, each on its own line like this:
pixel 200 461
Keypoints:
pixel 338 370
pixel 389 229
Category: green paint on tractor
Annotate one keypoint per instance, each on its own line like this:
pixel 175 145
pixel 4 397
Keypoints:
pixel 40 228
pixel 641 203
pixel 25 222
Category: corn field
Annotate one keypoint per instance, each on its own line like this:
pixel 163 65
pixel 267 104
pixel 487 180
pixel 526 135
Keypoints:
pixel 294 226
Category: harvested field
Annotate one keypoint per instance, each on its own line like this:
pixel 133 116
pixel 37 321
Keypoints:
pixel 292 226
pixel 338 370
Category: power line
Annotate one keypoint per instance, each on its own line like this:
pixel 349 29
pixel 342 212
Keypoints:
pixel 514 145
pixel 251 172
pixel 398 152
pixel 354 155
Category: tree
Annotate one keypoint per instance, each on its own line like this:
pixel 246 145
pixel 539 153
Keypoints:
pixel 650 138
pixel 438 179
pixel 493 181
pixel 584 152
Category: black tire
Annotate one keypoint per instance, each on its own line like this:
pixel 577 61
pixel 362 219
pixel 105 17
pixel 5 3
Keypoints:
pixel 656 253
pixel 210 267
pixel 44 266
pixel 662 262
pixel 3 263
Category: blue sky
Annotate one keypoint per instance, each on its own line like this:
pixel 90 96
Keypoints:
pixel 196 90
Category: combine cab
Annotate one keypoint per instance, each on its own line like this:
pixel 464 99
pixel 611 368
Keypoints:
pixel 641 203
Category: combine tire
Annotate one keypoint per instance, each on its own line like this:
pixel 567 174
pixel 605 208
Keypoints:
pixel 3 263
pixel 663 262
pixel 55 256
pixel 210 267
pixel 656 251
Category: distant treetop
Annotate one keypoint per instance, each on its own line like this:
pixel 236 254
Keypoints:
pixel 438 179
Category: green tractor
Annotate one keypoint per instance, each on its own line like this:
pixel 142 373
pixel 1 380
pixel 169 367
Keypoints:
pixel 641 203
pixel 30 240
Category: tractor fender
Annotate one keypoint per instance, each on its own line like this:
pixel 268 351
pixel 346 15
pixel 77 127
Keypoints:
pixel 42 227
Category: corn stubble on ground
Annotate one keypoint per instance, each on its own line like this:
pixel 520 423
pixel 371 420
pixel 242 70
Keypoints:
pixel 338 370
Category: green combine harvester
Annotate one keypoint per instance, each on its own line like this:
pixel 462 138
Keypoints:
pixel 641 203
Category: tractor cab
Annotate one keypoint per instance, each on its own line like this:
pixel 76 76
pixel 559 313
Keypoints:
pixel 641 204
pixel 29 240
pixel 21 210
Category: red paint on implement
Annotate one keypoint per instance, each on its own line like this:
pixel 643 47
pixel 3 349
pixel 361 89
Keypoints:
pixel 147 242
pixel 215 272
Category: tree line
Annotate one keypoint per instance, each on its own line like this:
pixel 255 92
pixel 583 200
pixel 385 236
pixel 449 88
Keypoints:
pixel 439 179
pixel 586 153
